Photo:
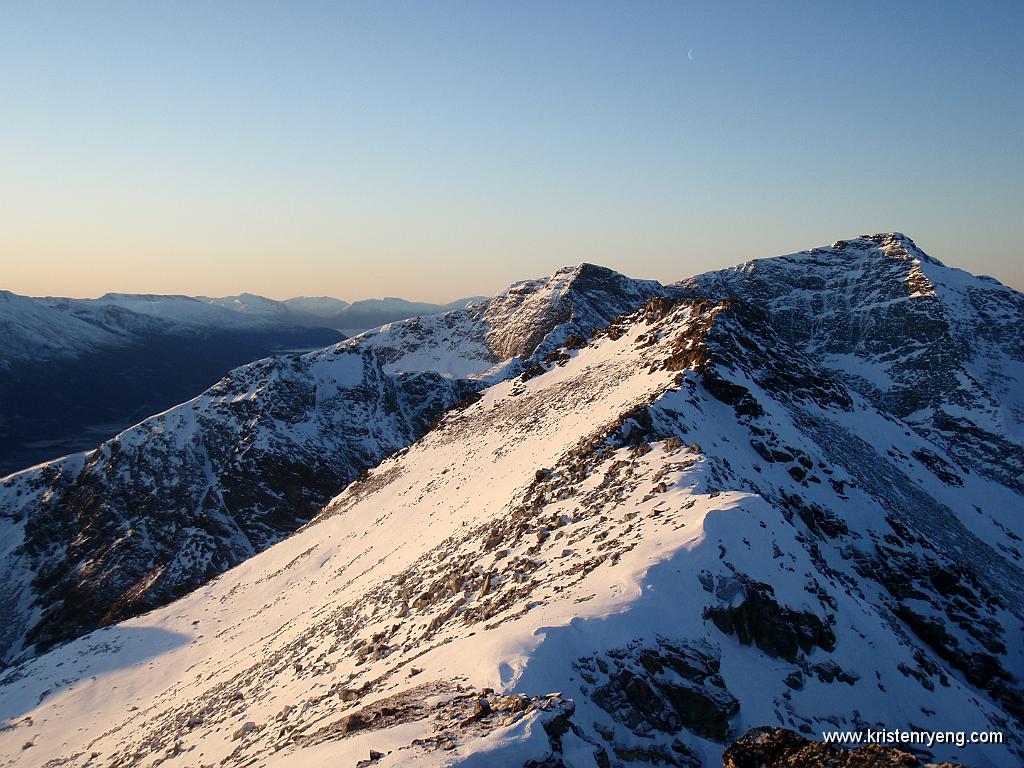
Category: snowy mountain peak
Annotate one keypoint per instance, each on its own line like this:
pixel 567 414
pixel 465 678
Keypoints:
pixel 936 345
pixel 891 243
pixel 575 300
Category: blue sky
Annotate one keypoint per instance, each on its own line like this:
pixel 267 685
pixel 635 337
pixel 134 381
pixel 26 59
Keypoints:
pixel 440 149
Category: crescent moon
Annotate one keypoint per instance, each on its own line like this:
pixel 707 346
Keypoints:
pixel 689 54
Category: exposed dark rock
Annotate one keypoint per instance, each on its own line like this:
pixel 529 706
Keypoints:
pixel 664 688
pixel 769 747
pixel 981 669
pixel 730 393
pixel 655 754
pixel 829 672
pixel 458 713
pixel 938 466
pixel 777 630
pixel 818 520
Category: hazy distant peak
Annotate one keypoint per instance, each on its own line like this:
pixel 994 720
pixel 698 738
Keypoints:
pixel 390 302
pixel 317 306
pixel 469 301
pixel 151 297
pixel 248 302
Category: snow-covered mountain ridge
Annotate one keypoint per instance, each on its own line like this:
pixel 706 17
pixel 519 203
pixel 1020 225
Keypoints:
pixel 492 340
pixel 172 502
pixel 35 329
pixel 689 523
pixel 75 372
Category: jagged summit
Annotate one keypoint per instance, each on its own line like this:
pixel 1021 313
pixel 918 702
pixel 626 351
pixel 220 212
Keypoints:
pixel 892 245
pixel 577 299
pixel 933 344
pixel 491 339
pixel 587 271
pixel 844 254
pixel 887 240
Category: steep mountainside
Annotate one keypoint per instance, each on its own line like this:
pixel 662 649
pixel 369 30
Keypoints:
pixel 174 501
pixel 630 553
pixel 168 504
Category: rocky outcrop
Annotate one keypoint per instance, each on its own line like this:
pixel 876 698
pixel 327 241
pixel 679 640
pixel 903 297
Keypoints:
pixel 769 747
pixel 777 630
pixel 665 687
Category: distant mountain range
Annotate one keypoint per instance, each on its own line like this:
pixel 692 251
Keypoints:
pixel 76 371
pixel 593 521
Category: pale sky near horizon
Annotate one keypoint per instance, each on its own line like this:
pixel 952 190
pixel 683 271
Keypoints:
pixel 433 150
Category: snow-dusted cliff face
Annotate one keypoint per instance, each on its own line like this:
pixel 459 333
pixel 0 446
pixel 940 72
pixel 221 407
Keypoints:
pixel 648 540
pixel 174 501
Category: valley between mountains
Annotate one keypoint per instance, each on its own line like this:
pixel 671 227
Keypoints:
pixel 590 522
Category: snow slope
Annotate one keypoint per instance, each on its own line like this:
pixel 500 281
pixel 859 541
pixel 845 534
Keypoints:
pixel 628 554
